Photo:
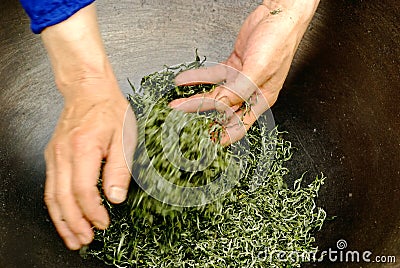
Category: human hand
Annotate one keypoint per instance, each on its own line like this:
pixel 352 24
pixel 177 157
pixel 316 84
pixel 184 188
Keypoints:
pixel 90 129
pixel 256 69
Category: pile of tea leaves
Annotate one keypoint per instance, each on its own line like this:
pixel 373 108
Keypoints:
pixel 246 226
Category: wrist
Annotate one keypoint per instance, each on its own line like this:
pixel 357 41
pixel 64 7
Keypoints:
pixel 300 10
pixel 90 91
pixel 76 50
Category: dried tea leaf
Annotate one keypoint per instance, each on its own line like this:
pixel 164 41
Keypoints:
pixel 243 228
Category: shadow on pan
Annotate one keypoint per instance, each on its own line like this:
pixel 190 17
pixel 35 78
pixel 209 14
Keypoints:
pixel 340 105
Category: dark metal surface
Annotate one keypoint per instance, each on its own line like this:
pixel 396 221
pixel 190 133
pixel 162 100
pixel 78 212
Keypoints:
pixel 340 105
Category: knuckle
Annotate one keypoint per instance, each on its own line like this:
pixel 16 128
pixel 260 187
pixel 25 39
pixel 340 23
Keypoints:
pixel 123 175
pixel 90 207
pixel 80 191
pixel 88 198
pixel 116 173
pixel 79 140
pixel 56 149
pixel 90 211
pixel 48 198
pixel 59 197
pixel 75 224
pixel 47 153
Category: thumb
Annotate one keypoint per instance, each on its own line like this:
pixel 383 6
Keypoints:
pixel 116 171
pixel 116 175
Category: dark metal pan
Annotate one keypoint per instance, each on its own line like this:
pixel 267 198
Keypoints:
pixel 340 105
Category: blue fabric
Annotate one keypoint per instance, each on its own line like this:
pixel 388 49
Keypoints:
pixel 44 13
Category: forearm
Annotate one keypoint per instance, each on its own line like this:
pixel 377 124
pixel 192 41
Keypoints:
pixel 301 9
pixel 76 50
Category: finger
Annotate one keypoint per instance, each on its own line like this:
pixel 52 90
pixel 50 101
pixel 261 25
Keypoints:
pixel 207 75
pixel 197 103
pixel 69 209
pixel 239 124
pixel 116 174
pixel 235 129
pixel 71 241
pixel 221 98
pixel 129 136
pixel 87 157
pixel 231 111
pixel 118 167
pixel 238 91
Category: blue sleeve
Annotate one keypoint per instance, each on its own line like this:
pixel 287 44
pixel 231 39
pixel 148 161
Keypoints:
pixel 44 13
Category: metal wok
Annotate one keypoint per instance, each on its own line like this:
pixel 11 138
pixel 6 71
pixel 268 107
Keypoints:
pixel 340 105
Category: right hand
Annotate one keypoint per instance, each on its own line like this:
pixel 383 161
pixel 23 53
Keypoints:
pixel 256 69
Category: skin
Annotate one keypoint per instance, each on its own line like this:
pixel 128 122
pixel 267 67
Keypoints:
pixel 89 130
pixel 257 67
pixel 91 125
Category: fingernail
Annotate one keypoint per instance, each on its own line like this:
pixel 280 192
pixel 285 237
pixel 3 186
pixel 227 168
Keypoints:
pixel 85 240
pixel 100 225
pixel 73 244
pixel 175 103
pixel 222 103
pixel 117 194
pixel 178 81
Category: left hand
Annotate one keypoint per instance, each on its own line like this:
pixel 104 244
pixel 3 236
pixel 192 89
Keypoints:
pixel 255 70
pixel 90 129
